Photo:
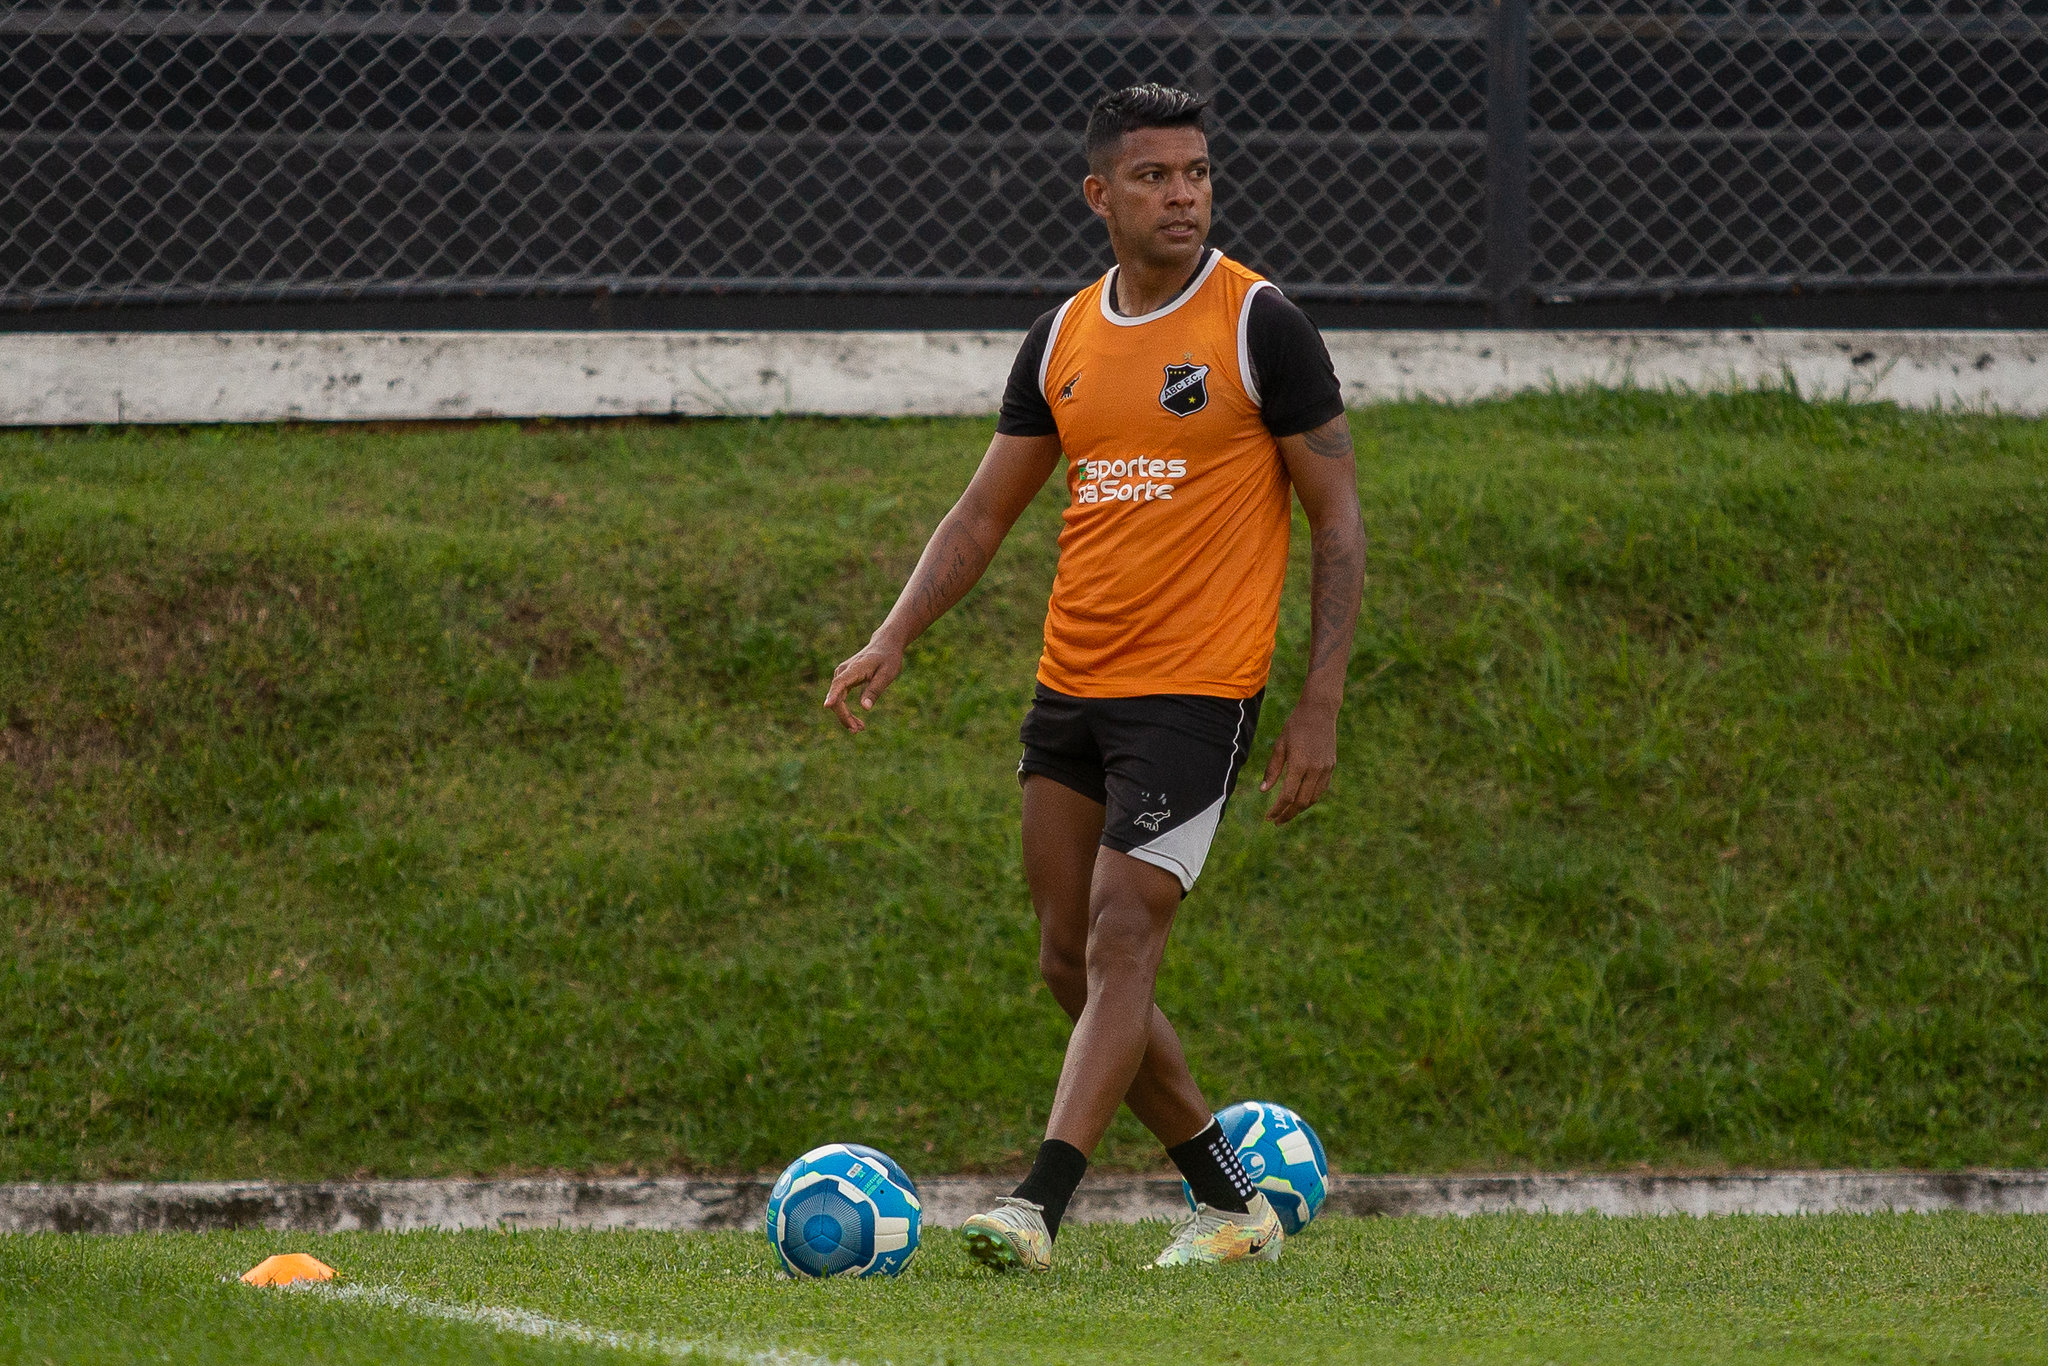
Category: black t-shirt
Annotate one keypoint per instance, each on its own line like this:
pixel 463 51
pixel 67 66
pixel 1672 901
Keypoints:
pixel 1298 389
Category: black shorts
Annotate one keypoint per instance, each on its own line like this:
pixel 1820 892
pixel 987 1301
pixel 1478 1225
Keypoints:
pixel 1162 765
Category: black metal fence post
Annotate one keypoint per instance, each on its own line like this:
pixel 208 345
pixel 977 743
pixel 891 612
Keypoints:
pixel 1509 258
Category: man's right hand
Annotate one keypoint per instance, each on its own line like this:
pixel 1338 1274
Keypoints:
pixel 872 671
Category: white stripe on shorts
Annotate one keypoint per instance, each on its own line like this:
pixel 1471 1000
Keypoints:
pixel 1184 849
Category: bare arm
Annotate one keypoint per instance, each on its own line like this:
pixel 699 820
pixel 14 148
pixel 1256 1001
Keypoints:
pixel 1009 477
pixel 1325 474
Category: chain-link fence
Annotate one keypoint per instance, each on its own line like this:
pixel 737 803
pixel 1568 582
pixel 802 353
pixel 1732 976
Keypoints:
pixel 228 150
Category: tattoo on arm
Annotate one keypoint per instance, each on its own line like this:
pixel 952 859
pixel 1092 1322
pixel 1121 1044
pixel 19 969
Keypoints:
pixel 950 565
pixel 1332 440
pixel 1336 585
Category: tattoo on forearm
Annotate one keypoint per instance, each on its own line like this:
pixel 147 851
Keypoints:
pixel 1336 584
pixel 1332 440
pixel 949 567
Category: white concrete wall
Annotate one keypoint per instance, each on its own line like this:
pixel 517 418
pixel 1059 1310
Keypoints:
pixel 677 1203
pixel 73 378
pixel 2007 371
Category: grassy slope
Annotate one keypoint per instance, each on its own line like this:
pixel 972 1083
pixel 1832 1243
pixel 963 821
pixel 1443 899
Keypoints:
pixel 456 800
pixel 1652 1291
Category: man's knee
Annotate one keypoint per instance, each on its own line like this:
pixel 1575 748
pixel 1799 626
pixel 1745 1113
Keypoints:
pixel 1124 940
pixel 1066 972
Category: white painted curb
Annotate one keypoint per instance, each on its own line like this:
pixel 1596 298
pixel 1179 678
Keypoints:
pixel 71 378
pixel 680 1203
pixel 1999 371
pixel 62 379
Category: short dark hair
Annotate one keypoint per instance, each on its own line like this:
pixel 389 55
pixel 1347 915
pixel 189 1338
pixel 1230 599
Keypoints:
pixel 1139 106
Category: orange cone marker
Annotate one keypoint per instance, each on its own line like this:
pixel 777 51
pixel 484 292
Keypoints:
pixel 286 1268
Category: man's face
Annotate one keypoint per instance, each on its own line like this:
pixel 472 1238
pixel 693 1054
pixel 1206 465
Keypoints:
pixel 1156 196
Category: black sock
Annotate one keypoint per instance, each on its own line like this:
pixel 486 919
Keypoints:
pixel 1215 1175
pixel 1054 1176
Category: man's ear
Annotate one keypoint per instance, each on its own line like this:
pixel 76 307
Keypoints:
pixel 1095 190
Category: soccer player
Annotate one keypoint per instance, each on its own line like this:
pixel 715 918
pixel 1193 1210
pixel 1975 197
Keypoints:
pixel 1188 396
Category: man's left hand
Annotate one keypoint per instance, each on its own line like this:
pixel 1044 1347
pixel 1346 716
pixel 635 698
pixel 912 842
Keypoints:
pixel 1303 759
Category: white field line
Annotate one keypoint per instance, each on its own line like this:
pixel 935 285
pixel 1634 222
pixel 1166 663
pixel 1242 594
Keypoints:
pixel 532 1325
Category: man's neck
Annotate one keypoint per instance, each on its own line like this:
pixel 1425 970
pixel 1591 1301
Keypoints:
pixel 1142 288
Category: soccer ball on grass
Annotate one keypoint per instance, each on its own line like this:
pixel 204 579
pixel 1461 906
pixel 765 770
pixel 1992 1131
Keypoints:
pixel 1283 1157
pixel 843 1210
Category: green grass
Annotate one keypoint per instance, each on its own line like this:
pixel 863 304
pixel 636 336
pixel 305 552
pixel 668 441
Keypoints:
pixel 1870 1289
pixel 456 799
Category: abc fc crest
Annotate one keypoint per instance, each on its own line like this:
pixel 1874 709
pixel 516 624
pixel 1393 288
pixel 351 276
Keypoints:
pixel 1186 391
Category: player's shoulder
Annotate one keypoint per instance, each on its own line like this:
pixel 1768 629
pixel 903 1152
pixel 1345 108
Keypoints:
pixel 1267 309
pixel 1039 334
pixel 1237 272
pixel 1075 304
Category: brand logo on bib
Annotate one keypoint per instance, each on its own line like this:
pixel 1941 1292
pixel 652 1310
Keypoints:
pixel 1126 481
pixel 1186 391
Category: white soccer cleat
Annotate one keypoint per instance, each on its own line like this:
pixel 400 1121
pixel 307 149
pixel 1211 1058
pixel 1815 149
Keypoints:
pixel 1210 1237
pixel 1010 1237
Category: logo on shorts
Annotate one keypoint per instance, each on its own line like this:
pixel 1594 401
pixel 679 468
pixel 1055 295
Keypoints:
pixel 1186 391
pixel 1152 820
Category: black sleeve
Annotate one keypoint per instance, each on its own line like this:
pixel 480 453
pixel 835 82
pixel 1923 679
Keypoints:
pixel 1025 411
pixel 1298 389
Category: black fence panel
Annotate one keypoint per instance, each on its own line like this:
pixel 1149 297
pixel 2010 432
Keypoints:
pixel 180 151
pixel 1696 148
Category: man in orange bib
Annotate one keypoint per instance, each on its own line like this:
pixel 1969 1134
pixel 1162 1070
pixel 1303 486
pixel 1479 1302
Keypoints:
pixel 1189 396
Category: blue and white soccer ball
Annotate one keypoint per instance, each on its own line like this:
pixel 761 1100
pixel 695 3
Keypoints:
pixel 843 1210
pixel 1283 1157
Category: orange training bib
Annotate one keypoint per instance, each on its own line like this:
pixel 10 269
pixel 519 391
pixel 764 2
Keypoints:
pixel 1174 547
